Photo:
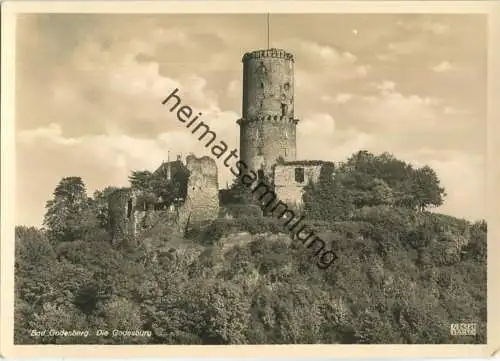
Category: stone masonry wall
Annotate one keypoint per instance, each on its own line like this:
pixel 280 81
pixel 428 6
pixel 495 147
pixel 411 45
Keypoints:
pixel 263 141
pixel 268 84
pixel 121 213
pixel 202 200
pixel 286 188
pixel 145 220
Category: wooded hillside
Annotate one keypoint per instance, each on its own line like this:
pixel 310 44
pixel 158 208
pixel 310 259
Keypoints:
pixel 403 274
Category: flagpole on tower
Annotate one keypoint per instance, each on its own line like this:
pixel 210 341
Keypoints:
pixel 268 30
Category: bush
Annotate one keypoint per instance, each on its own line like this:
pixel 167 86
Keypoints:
pixel 244 210
pixel 210 233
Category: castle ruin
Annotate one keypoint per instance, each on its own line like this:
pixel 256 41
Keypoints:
pixel 268 146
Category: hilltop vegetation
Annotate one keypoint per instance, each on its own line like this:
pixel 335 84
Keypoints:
pixel 403 274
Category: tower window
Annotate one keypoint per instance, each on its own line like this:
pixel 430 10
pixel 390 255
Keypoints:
pixel 284 109
pixel 260 174
pixel 262 85
pixel 299 175
pixel 129 208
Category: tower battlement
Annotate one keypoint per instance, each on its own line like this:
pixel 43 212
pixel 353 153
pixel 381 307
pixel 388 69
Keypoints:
pixel 268 53
pixel 269 119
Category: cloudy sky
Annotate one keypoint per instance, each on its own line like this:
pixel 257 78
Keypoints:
pixel 89 92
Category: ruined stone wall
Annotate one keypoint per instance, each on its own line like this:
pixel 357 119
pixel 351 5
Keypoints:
pixel 157 225
pixel 286 188
pixel 267 126
pixel 202 200
pixel 145 220
pixel 121 213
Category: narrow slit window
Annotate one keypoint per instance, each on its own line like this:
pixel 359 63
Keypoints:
pixel 129 208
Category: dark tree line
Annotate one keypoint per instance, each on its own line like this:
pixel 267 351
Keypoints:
pixel 369 180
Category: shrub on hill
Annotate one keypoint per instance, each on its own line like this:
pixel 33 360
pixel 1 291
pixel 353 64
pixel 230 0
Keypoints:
pixel 243 210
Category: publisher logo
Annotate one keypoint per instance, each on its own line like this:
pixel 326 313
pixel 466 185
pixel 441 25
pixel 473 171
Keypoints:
pixel 463 329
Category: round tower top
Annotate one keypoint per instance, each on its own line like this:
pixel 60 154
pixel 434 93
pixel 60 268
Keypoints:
pixel 268 53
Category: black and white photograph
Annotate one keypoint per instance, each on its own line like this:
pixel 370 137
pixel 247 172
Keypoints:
pixel 260 178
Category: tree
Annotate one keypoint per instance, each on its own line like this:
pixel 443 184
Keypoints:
pixel 142 183
pixel 381 193
pixel 158 189
pixel 329 199
pixel 477 247
pixel 221 311
pixel 141 180
pixel 167 190
pixel 69 214
pixel 426 188
pixel 241 194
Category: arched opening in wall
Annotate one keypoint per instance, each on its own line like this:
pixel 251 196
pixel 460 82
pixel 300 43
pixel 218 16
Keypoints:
pixel 129 208
pixel 260 174
pixel 262 85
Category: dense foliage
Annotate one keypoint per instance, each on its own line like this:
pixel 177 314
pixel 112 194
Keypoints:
pixel 403 274
pixel 370 180
pixel 158 189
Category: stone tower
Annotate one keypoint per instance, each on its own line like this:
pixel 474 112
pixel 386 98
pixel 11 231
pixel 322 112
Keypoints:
pixel 267 126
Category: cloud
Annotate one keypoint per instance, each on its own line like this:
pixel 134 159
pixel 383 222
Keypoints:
pixel 442 67
pixel 339 64
pixel 234 88
pixel 423 23
pixel 435 27
pixel 340 98
pixel 124 152
pixel 329 54
pixel 318 138
pixel 451 110
pixel 397 112
pixel 386 57
pixel 405 47
pixel 51 134
pixel 320 124
pixel 385 86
